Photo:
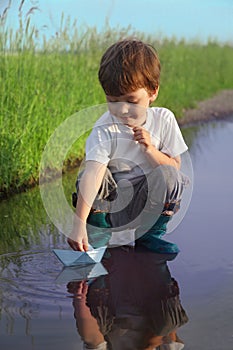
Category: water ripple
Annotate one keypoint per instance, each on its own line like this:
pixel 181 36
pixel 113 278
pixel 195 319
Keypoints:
pixel 28 285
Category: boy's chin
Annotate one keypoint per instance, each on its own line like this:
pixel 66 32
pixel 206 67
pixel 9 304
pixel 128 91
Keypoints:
pixel 130 125
pixel 134 123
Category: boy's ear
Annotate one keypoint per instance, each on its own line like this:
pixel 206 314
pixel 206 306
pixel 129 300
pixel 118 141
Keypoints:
pixel 154 95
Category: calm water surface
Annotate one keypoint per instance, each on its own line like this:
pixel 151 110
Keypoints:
pixel 36 304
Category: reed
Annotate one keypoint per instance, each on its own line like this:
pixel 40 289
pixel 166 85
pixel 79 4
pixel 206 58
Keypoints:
pixel 45 80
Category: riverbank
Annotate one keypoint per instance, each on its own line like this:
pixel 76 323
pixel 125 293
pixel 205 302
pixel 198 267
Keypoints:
pixel 218 107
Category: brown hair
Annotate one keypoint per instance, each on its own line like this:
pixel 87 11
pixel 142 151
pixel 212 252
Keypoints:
pixel 129 65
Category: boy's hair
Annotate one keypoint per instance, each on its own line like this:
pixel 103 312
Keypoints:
pixel 127 66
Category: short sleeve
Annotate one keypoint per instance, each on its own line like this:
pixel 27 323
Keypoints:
pixel 172 141
pixel 98 145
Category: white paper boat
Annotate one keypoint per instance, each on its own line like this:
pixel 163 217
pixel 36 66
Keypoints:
pixel 75 258
pixel 79 273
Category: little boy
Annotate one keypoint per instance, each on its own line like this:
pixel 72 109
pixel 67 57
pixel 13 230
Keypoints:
pixel 131 177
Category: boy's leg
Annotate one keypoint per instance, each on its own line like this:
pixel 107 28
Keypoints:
pixel 98 229
pixel 143 197
pixel 163 185
pixel 153 240
pixel 172 183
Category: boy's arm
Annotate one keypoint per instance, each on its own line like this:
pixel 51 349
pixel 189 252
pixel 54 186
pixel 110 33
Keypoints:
pixel 154 156
pixel 88 188
pixel 87 325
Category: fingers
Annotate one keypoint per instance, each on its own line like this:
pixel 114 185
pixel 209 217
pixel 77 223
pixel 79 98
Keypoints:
pixel 142 136
pixel 140 132
pixel 85 244
pixel 78 246
pixel 73 286
pixel 85 247
pixel 137 130
pixel 78 289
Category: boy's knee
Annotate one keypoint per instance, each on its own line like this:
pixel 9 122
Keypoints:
pixel 175 182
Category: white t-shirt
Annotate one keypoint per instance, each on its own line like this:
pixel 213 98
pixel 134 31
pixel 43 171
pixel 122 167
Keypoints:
pixel 112 143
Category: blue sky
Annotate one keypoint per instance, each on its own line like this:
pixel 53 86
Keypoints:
pixel 190 19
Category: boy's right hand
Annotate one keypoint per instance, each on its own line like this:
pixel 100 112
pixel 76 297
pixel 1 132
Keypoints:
pixel 77 239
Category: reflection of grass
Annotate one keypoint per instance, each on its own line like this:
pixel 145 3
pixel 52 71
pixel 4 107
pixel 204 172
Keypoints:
pixel 41 87
pixel 24 224
pixel 23 219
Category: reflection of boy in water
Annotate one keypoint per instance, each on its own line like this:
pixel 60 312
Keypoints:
pixel 132 154
pixel 136 306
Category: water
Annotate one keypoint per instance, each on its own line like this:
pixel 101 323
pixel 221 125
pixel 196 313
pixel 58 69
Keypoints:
pixel 37 311
pixel 205 265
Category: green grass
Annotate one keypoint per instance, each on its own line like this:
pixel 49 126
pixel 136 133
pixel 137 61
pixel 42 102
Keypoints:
pixel 44 81
pixel 193 72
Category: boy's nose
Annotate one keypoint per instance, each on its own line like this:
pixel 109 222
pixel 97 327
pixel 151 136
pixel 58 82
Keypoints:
pixel 123 109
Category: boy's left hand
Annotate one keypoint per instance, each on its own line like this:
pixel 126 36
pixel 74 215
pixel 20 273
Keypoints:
pixel 142 136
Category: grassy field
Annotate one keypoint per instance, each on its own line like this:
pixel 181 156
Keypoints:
pixel 44 81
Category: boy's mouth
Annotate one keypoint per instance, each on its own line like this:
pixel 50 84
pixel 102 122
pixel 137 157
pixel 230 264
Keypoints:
pixel 132 122
pixel 129 122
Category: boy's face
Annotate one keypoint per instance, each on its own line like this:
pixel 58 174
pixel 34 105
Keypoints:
pixel 130 109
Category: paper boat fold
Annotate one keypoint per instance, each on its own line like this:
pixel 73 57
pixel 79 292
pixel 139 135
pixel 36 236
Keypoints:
pixel 75 258
pixel 79 273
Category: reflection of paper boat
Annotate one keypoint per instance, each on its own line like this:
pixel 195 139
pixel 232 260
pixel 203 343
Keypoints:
pixel 74 258
pixel 78 273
